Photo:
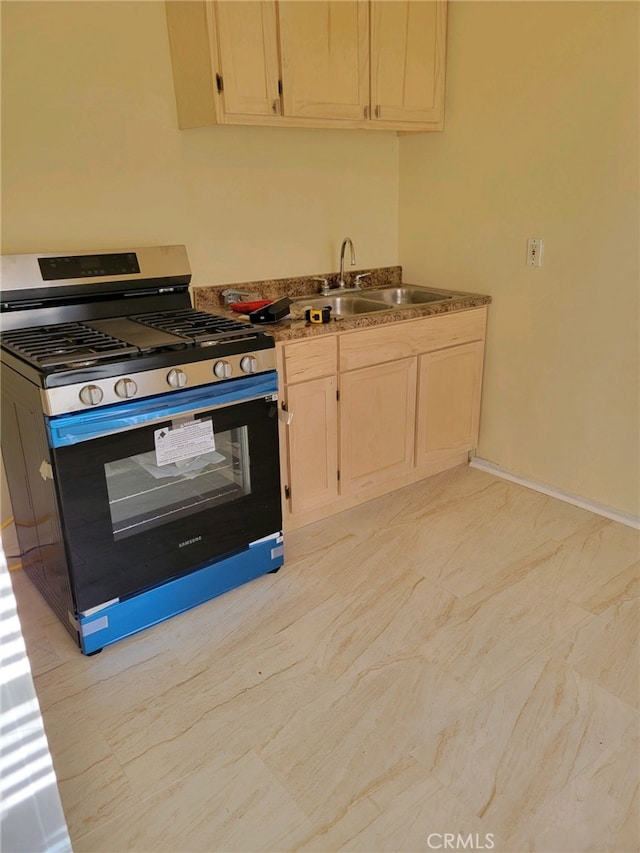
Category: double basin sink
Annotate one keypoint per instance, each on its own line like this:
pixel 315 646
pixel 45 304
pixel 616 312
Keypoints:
pixel 352 302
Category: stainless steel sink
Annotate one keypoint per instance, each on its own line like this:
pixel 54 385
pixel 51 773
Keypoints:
pixel 345 305
pixel 351 303
pixel 407 295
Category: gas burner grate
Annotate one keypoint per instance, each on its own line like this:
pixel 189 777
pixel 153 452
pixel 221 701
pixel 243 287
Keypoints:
pixel 64 344
pixel 198 326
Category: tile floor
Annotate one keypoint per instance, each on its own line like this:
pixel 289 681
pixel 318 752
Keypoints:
pixel 459 657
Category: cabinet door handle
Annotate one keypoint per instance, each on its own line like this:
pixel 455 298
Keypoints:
pixel 276 106
pixel 378 111
pixel 284 416
pixel 366 112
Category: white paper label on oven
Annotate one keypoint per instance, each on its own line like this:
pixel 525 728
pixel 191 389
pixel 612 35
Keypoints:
pixel 175 444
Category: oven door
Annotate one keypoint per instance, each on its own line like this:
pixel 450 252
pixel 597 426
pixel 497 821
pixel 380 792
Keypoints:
pixel 152 490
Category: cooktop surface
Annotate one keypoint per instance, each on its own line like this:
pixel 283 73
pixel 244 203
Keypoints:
pixel 66 345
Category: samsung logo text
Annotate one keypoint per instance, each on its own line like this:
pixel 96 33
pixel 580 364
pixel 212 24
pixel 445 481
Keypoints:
pixel 190 541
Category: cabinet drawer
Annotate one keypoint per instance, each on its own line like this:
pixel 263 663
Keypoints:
pixel 413 337
pixel 310 359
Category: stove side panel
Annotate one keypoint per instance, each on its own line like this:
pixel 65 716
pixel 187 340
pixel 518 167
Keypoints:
pixel 33 494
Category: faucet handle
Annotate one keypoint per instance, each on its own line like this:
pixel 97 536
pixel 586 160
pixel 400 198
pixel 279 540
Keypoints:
pixel 324 282
pixel 359 277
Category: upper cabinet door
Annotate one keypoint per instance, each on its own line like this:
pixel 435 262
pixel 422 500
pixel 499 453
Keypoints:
pixel 325 58
pixel 247 45
pixel 408 41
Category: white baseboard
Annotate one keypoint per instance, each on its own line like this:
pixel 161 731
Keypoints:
pixel 599 509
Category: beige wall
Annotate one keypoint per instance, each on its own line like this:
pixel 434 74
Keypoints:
pixel 92 157
pixel 541 140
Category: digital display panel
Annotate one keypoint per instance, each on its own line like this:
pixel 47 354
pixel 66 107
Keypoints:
pixel 88 266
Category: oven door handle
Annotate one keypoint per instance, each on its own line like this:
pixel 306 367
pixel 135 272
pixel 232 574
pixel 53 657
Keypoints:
pixel 64 430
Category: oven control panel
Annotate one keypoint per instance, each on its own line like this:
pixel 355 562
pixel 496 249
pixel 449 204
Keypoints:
pixel 103 392
pixel 91 266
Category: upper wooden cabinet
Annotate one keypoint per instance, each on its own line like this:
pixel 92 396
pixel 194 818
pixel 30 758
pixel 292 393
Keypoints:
pixel 325 58
pixel 247 51
pixel 408 60
pixel 309 63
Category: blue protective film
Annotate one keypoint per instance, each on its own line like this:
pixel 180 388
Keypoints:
pixel 83 426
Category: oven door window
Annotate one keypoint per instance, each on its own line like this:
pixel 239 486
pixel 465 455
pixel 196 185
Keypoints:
pixel 144 494
pixel 131 523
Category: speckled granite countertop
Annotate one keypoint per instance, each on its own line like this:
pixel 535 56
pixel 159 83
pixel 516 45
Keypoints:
pixel 295 327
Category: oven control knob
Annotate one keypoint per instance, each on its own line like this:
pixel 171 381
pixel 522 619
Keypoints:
pixel 248 364
pixel 222 369
pixel 177 378
pixel 125 388
pixel 91 395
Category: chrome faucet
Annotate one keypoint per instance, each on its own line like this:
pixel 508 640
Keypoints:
pixel 341 281
pixel 325 284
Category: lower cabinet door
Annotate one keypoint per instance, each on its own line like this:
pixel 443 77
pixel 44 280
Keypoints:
pixel 377 424
pixel 312 444
pixel 448 401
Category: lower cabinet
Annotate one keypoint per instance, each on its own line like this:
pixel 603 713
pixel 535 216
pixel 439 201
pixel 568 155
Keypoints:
pixel 372 410
pixel 449 383
pixel 377 424
pixel 312 478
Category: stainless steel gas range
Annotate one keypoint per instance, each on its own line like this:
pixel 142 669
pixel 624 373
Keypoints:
pixel 139 438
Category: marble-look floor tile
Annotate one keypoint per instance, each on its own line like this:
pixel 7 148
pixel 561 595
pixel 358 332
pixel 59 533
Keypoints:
pixel 411 810
pixel 457 657
pixel 607 651
pixel 315 541
pixel 476 570
pixel 48 643
pixel 479 549
pixel 104 679
pixel 93 785
pixel 597 808
pixel 476 498
pixel 349 742
pixel 515 755
pixel 596 570
pixel 500 512
pixel 218 710
pixel 350 642
pixel 225 805
pixel 418 820
pixel 483 645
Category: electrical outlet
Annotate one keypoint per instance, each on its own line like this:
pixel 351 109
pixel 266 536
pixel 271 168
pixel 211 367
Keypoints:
pixel 534 252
